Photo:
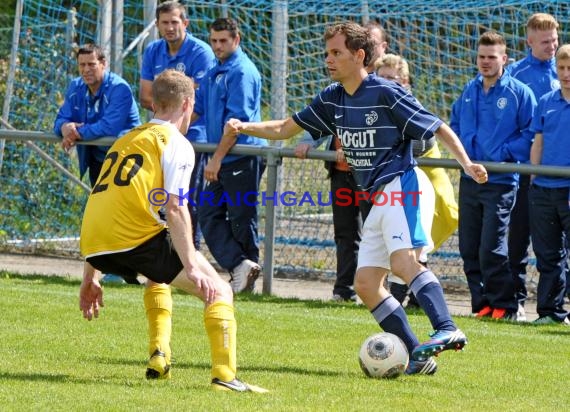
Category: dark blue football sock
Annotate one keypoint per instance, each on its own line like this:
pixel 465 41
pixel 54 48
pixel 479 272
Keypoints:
pixel 429 295
pixel 392 318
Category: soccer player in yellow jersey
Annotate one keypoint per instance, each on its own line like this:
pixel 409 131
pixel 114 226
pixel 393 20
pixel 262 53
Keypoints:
pixel 122 232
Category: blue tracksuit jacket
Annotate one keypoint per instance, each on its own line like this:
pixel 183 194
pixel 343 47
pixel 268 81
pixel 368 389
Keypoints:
pixel 539 75
pixel 230 90
pixel 111 112
pixel 494 126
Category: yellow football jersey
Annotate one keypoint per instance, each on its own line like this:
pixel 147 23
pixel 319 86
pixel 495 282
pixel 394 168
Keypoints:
pixel 141 170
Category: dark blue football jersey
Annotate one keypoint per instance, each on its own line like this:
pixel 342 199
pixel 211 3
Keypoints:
pixel 375 126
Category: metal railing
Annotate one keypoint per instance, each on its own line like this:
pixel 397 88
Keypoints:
pixel 273 156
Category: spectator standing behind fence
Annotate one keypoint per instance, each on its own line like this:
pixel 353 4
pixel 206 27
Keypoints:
pixel 446 216
pixel 537 71
pixel 231 89
pixel 179 49
pixel 379 39
pixel 376 120
pixel 549 196
pixel 122 232
pixel 97 104
pixel 347 220
pixel 492 118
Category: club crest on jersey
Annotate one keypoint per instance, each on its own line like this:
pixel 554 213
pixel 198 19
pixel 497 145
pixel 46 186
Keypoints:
pixel 219 78
pixel 371 118
pixel 555 84
pixel 502 103
pixel 181 67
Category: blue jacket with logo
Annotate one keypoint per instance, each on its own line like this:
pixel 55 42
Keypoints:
pixel 111 112
pixel 494 126
pixel 194 59
pixel 231 90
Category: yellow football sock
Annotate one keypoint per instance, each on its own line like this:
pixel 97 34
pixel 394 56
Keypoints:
pixel 221 328
pixel 158 306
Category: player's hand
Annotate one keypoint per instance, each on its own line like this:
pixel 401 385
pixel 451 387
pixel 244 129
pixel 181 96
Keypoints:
pixel 212 170
pixel 340 156
pixel 302 149
pixel 477 172
pixel 90 298
pixel 205 284
pixel 232 127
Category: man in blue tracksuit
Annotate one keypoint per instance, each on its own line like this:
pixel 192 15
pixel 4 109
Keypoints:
pixel 549 199
pixel 97 104
pixel 178 49
pixel 491 117
pixel 537 71
pixel 231 89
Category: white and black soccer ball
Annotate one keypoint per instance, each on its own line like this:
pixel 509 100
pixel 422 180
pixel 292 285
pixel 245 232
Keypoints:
pixel 383 355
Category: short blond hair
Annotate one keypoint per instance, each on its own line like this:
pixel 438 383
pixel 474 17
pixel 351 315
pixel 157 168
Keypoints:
pixel 393 61
pixel 542 22
pixel 170 89
pixel 404 69
pixel 563 52
pixel 388 60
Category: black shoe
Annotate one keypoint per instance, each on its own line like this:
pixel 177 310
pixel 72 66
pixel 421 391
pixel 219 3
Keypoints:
pixel 550 320
pixel 339 298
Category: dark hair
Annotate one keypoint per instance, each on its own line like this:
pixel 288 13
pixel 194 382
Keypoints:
pixel 169 6
pixel 357 37
pixel 89 48
pixel 491 38
pixel 224 23
pixel 371 25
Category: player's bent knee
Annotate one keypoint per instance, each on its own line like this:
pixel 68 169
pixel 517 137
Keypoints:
pixel 224 289
pixel 367 279
pixel 405 267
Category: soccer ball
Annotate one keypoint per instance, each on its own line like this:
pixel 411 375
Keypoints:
pixel 383 355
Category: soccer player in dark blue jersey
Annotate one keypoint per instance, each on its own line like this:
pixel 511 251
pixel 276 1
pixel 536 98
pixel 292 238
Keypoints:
pixel 376 120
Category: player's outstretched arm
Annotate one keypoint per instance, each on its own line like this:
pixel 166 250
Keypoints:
pixel 90 292
pixel 453 144
pixel 271 129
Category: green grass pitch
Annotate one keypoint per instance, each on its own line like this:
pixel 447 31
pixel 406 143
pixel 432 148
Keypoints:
pixel 304 352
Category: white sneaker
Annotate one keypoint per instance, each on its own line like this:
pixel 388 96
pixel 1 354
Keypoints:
pixel 521 314
pixel 244 275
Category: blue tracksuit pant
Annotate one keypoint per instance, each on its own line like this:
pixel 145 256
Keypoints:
pixel 549 228
pixel 227 212
pixel 484 212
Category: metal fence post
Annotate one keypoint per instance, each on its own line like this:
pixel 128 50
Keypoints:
pixel 273 163
pixel 12 71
